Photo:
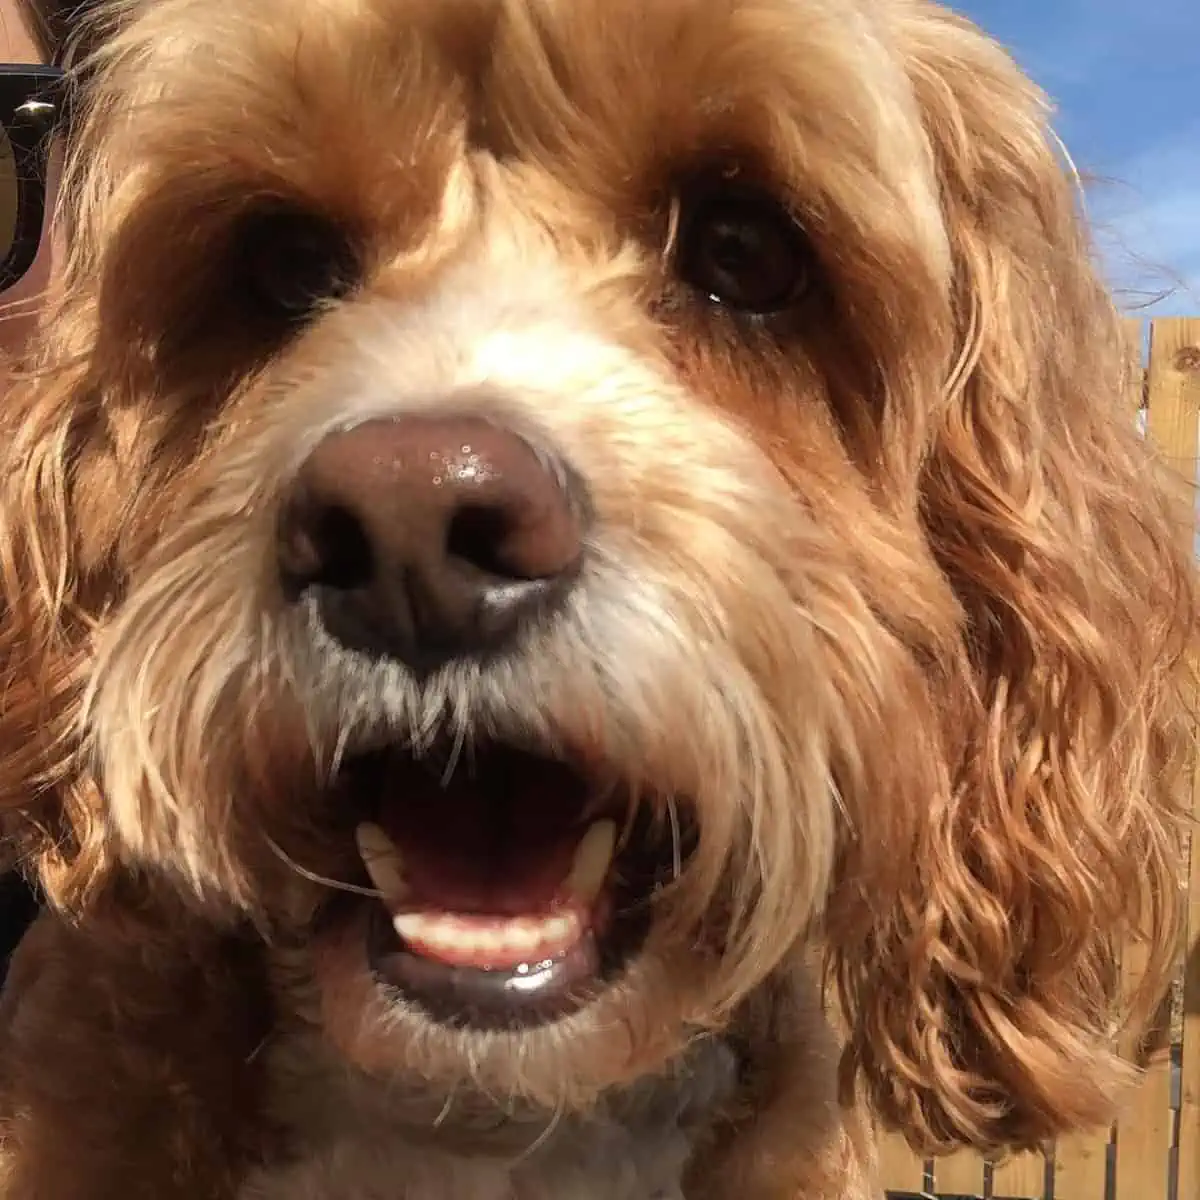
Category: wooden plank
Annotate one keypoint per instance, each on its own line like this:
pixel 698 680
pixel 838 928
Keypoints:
pixel 1081 1167
pixel 902 1170
pixel 1023 1175
pixel 1189 1108
pixel 1146 1126
pixel 1145 1132
pixel 1175 424
pixel 958 1175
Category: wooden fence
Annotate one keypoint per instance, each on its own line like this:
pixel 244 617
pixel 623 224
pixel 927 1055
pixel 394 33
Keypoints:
pixel 1153 1153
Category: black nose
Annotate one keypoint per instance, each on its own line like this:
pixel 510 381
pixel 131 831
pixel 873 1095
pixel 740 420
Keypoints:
pixel 427 539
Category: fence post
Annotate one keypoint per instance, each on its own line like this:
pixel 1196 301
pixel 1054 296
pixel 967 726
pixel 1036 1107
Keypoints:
pixel 1175 423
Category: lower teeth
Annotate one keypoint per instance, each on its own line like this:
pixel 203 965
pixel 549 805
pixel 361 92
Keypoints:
pixel 490 942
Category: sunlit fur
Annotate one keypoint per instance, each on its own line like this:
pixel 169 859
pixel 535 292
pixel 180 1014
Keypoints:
pixel 887 593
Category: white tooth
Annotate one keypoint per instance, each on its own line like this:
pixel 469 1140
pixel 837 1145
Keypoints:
pixel 411 926
pixel 471 938
pixel 445 933
pixel 382 860
pixel 459 936
pixel 499 941
pixel 593 857
pixel 559 930
pixel 521 936
pixel 556 934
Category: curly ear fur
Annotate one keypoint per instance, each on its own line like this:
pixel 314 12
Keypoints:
pixel 48 812
pixel 50 816
pixel 983 999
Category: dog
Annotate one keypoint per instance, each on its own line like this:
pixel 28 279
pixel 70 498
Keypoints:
pixel 585 614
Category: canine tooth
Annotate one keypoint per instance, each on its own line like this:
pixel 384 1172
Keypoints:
pixel 382 860
pixel 593 857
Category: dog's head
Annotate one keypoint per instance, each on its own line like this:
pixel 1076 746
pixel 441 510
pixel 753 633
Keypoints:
pixel 549 509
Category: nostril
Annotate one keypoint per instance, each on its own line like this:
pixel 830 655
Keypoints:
pixel 347 558
pixel 479 534
pixel 325 545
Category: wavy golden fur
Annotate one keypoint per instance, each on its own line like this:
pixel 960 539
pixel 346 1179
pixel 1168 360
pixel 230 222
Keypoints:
pixel 887 588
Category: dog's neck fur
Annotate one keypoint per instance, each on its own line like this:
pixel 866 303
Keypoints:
pixel 352 1138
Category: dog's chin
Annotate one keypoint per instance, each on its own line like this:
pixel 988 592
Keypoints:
pixel 511 889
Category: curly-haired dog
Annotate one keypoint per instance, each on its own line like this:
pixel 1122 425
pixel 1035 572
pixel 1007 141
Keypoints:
pixel 537 530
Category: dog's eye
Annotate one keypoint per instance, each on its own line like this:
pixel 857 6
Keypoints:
pixel 742 249
pixel 293 261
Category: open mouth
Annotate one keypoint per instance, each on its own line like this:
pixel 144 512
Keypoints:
pixel 513 887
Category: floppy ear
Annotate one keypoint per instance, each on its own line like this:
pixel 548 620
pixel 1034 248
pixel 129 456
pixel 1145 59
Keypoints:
pixel 49 813
pixel 982 991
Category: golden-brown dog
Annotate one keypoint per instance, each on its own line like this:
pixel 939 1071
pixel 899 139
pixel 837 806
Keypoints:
pixel 538 528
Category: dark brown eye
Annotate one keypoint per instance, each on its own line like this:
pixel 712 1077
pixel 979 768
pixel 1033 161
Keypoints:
pixel 293 261
pixel 742 249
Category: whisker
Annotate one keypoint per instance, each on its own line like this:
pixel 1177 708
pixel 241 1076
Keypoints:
pixel 455 753
pixel 442 1116
pixel 312 876
pixel 543 1137
pixel 257 1051
pixel 339 750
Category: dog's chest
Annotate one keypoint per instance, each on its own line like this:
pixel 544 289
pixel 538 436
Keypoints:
pixel 615 1166
pixel 350 1146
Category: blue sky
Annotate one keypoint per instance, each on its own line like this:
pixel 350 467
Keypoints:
pixel 1125 76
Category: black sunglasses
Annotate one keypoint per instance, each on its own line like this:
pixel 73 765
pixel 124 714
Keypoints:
pixel 31 103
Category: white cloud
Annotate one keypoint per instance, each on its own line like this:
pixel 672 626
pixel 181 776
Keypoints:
pixel 1148 225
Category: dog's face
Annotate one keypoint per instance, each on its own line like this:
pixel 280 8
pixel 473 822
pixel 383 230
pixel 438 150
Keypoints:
pixel 546 508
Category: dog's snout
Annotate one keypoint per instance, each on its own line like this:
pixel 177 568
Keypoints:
pixel 426 539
